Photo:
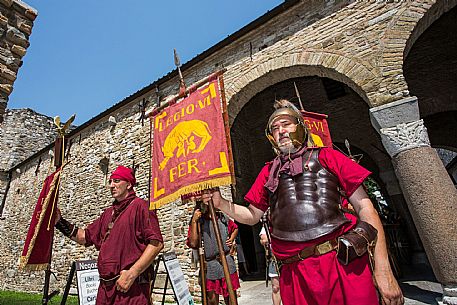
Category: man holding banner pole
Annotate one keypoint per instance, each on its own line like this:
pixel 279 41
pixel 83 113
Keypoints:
pixel 190 150
pixel 304 186
pixel 128 236
pixel 215 283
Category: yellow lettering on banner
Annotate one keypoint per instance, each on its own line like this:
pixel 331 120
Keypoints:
pixel 169 121
pixel 183 169
pixel 212 90
pixel 176 116
pixel 192 164
pixel 318 125
pixel 308 125
pixel 206 102
pixel 157 192
pixel 224 165
pixel 158 123
pixel 190 109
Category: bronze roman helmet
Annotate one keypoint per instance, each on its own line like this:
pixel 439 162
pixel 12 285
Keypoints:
pixel 284 107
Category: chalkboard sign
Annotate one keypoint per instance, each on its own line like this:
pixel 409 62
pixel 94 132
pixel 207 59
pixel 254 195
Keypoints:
pixel 88 280
pixel 178 282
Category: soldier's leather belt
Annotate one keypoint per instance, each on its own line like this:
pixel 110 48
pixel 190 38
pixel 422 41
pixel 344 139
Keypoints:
pixel 141 279
pixel 318 249
pixel 217 257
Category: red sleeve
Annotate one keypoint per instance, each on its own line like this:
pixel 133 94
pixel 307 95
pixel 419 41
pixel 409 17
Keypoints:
pixel 187 239
pixel 148 223
pixel 349 173
pixel 153 230
pixel 258 194
pixel 231 226
pixel 93 232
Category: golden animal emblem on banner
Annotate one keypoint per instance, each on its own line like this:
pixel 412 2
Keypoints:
pixel 189 146
pixel 182 140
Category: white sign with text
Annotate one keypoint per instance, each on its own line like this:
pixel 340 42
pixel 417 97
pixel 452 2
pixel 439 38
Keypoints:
pixel 88 280
pixel 178 282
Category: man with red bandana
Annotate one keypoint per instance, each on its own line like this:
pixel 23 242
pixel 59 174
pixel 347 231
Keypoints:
pixel 128 238
pixel 303 186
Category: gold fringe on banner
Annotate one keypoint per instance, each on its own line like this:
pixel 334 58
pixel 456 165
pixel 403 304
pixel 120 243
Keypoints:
pixel 24 259
pixel 200 186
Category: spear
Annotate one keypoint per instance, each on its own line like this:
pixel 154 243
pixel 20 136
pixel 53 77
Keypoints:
pixel 182 84
pixel 298 95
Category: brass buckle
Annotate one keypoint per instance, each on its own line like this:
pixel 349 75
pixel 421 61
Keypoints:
pixel 324 247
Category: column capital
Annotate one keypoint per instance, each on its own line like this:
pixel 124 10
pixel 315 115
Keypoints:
pixel 400 126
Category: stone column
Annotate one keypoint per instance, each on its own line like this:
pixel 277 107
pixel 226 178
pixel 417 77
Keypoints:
pixel 427 187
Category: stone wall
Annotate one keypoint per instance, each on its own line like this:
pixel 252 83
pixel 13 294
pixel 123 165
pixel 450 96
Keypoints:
pixel 22 133
pixel 16 22
pixel 350 42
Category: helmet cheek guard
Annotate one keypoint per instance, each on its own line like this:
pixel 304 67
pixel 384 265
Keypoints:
pixel 298 137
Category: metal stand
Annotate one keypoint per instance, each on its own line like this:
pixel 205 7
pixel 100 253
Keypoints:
pixel 154 277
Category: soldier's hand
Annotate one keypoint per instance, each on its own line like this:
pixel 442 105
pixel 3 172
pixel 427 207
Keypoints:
pixel 264 239
pixel 125 281
pixel 197 215
pixel 229 242
pixel 214 195
pixel 388 288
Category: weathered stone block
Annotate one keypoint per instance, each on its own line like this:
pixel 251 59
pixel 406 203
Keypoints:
pixel 6 88
pixel 394 113
pixel 18 50
pixel 16 37
pixel 31 14
pixel 3 20
pixel 24 27
pixel 6 3
pixel 7 73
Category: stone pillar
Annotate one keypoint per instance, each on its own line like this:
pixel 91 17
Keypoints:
pixel 427 187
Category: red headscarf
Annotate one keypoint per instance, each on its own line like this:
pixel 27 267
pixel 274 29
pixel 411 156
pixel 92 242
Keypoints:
pixel 124 173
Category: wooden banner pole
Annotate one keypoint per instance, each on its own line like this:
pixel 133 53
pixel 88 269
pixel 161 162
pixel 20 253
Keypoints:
pixel 231 292
pixel 201 256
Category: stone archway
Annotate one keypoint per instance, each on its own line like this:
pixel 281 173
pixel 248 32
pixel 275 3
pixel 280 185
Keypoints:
pixel 356 73
pixel 402 32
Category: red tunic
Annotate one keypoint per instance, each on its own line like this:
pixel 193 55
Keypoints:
pixel 321 279
pixel 132 231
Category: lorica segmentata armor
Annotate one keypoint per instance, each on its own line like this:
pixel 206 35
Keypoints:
pixel 307 206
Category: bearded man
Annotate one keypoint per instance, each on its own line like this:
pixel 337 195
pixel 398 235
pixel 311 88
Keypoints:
pixel 128 236
pixel 303 187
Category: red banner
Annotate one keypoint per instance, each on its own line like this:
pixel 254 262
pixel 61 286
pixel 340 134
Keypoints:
pixel 37 247
pixel 317 125
pixel 189 149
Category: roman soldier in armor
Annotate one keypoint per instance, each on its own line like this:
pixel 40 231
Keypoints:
pixel 304 187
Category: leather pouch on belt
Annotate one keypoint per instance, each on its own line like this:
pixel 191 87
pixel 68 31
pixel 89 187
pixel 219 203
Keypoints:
pixel 356 242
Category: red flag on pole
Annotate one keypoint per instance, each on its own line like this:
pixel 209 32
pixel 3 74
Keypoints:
pixel 37 248
pixel 318 127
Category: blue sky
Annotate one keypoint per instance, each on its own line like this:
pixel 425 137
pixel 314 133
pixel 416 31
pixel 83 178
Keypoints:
pixel 87 55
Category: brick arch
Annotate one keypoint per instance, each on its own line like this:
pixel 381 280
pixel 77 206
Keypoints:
pixel 402 32
pixel 355 73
